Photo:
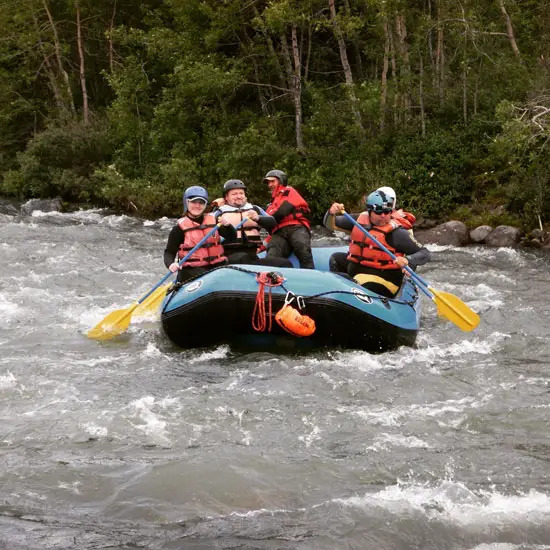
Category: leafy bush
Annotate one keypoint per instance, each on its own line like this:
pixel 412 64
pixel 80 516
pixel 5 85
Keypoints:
pixel 59 161
pixel 137 196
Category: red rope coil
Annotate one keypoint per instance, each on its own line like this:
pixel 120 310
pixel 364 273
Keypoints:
pixel 259 319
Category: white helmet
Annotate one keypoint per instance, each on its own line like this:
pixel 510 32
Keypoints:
pixel 390 193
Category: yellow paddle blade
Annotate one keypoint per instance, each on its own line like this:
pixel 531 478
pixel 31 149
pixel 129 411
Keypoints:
pixel 151 304
pixel 114 324
pixel 455 310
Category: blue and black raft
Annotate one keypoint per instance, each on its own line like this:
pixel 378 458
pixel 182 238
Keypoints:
pixel 250 306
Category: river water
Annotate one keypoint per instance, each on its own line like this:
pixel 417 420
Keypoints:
pixel 134 443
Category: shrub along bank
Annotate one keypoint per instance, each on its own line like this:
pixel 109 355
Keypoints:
pixel 124 106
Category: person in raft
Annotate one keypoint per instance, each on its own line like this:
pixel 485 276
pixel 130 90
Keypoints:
pixel 193 226
pixel 370 266
pixel 338 261
pixel 235 206
pixel 404 218
pixel 292 232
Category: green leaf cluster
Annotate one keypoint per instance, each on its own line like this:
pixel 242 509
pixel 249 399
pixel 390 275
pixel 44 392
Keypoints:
pixel 436 99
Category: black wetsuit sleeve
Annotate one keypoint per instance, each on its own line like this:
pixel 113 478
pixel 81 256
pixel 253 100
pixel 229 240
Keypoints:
pixel 228 232
pixel 401 240
pixel 265 221
pixel 284 210
pixel 175 238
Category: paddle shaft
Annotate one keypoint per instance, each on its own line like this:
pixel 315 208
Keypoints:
pixel 423 285
pixel 181 262
pixel 117 321
pixel 453 304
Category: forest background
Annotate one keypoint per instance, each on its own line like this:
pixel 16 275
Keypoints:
pixel 124 103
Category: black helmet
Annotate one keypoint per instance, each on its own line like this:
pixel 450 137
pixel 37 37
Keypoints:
pixel 279 174
pixel 233 184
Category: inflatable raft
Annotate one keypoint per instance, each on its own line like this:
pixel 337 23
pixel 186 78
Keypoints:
pixel 237 304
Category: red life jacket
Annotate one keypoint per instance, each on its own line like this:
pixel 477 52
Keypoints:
pixel 405 219
pixel 301 212
pixel 211 252
pixel 251 228
pixel 363 251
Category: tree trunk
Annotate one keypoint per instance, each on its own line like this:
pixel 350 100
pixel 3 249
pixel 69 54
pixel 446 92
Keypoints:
pixel 50 73
pixel 57 46
pixel 405 68
pixel 384 77
pixel 346 66
pixel 509 29
pixel 440 58
pixel 293 68
pixel 297 90
pixel 476 92
pixel 271 48
pixel 393 64
pixel 85 109
pixel 421 98
pixel 308 55
pixel 110 39
pixel 465 91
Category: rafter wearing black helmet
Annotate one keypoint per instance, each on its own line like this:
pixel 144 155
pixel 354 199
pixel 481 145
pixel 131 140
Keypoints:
pixel 235 208
pixel 291 211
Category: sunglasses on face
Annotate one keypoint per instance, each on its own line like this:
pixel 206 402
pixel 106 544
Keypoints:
pixel 378 210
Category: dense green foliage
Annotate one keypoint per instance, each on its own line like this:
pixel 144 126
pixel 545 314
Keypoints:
pixel 126 103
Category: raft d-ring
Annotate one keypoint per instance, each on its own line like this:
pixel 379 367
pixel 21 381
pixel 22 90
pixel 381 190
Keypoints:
pixel 300 301
pixel 289 297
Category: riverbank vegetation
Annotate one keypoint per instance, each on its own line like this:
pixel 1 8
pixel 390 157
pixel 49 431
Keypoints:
pixel 123 103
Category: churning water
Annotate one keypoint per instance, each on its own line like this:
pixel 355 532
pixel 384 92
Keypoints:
pixel 134 443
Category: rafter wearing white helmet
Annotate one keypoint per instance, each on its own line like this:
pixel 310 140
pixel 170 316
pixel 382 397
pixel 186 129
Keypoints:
pixel 390 193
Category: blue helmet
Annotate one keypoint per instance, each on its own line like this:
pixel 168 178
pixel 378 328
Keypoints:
pixel 194 192
pixel 379 203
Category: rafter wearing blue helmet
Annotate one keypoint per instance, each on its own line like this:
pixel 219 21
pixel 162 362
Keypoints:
pixel 366 263
pixel 191 228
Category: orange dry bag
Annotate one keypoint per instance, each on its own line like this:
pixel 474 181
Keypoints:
pixel 292 320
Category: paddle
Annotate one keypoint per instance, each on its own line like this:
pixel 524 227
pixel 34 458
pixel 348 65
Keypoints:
pixel 118 321
pixel 152 303
pixel 448 305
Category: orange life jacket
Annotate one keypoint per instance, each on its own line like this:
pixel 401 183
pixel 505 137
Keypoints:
pixel 301 212
pixel 251 228
pixel 363 251
pixel 211 252
pixel 405 219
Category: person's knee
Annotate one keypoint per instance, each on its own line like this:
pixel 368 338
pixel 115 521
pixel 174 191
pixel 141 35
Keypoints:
pixel 302 248
pixel 283 262
pixel 277 249
pixel 332 265
pixel 379 289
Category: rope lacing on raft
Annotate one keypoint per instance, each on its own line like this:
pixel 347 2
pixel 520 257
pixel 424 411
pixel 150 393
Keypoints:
pixel 383 299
